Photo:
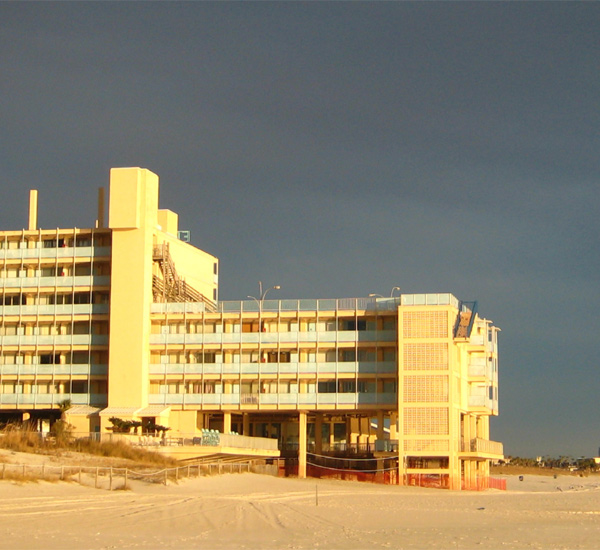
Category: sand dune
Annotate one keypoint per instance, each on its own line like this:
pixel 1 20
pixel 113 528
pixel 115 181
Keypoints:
pixel 254 511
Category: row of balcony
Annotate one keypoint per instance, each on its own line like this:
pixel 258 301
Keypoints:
pixel 54 309
pixel 482 401
pixel 292 337
pixel 49 370
pixel 298 399
pixel 55 340
pixel 53 399
pixel 482 446
pixel 360 367
pixel 60 282
pixel 57 252
pixel 329 304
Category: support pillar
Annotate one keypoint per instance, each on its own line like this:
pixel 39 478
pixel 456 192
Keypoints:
pixel 319 433
pixel 302 444
pixel 393 426
pixel 380 426
pixel 226 422
pixel 246 424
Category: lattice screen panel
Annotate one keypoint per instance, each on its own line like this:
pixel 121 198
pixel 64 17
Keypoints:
pixel 425 324
pixel 425 388
pixel 426 421
pixel 426 356
pixel 426 445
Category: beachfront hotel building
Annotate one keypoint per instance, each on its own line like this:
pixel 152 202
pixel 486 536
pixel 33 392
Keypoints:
pixel 124 320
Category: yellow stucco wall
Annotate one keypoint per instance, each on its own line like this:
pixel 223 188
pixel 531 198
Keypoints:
pixel 192 264
pixel 133 219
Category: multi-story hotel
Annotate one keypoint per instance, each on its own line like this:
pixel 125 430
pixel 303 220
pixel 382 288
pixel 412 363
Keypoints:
pixel 123 319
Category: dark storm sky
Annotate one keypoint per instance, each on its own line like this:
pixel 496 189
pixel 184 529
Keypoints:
pixel 340 149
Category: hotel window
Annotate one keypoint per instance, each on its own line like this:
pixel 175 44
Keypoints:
pixel 14 299
pixel 367 355
pixel 347 386
pixel 50 359
pixel 353 324
pixel 346 355
pixel 81 298
pixel 79 386
pixel 366 386
pixel 326 386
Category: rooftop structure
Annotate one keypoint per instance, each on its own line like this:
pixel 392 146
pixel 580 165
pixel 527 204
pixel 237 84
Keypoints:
pixel 124 321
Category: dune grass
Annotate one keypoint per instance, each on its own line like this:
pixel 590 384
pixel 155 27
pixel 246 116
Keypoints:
pixel 27 441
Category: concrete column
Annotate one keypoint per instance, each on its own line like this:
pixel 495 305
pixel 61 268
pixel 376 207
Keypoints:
pixel 331 435
pixel 302 444
pixel 245 424
pixel 380 426
pixel 393 424
pixel 319 433
pixel 351 430
pixel 226 422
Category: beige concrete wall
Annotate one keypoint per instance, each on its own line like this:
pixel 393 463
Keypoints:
pixel 133 219
pixel 195 266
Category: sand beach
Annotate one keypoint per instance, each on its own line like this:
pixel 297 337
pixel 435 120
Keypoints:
pixel 247 511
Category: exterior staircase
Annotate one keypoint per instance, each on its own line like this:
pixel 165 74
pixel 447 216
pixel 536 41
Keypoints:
pixel 171 287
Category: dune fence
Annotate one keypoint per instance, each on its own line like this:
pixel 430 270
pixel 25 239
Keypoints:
pixel 111 478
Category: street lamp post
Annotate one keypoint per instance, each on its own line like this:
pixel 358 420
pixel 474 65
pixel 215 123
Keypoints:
pixel 259 302
pixel 381 296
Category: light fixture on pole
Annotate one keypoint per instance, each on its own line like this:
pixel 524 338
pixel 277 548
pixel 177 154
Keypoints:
pixel 263 294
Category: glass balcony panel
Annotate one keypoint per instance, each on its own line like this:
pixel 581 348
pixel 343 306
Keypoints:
pixel 174 398
pixel 330 367
pixel 9 369
pixel 9 398
pixel 268 368
pixel 231 368
pixel 99 369
pixel 307 367
pixel 307 398
pixel 249 368
pixel 211 398
pixel 288 398
pixel 346 398
pixel 268 399
pixel 326 398
pixel 327 305
pixel 288 367
pixel 174 368
pixel 230 398
pixel 156 399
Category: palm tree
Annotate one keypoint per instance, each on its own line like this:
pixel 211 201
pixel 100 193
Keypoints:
pixel 63 407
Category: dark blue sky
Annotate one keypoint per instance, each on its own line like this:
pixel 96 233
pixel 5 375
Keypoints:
pixel 340 149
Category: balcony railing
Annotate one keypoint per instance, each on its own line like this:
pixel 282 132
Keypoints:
pixel 291 337
pixel 338 400
pixel 333 304
pixel 360 367
pixel 483 446
pixel 56 309
pixel 56 252
pixel 68 369
pixel 50 399
pixel 53 282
